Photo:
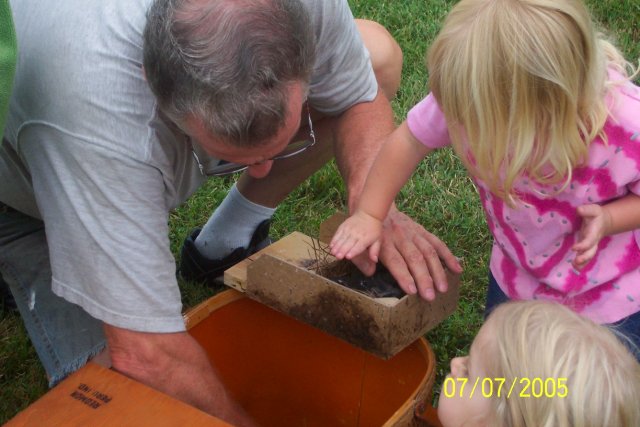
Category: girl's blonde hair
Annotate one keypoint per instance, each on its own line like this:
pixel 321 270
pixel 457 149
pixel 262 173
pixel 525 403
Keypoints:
pixel 546 340
pixel 522 85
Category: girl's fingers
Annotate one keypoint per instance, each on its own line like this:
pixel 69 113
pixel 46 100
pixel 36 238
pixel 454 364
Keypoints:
pixel 582 245
pixel 584 257
pixel 336 239
pixel 374 251
pixel 342 249
pixel 356 248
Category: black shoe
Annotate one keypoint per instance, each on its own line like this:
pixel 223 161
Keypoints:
pixel 7 302
pixel 195 267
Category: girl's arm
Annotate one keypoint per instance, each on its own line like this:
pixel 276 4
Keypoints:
pixel 392 168
pixel 599 221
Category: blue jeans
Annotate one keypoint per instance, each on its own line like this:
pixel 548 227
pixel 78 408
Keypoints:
pixel 63 334
pixel 629 326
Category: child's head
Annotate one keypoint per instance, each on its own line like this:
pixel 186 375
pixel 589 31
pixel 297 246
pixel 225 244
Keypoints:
pixel 524 80
pixel 536 343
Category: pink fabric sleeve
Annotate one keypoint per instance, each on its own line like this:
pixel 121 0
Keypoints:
pixel 427 124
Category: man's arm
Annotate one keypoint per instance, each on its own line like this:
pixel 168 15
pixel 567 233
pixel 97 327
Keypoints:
pixel 174 364
pixel 109 251
pixel 359 134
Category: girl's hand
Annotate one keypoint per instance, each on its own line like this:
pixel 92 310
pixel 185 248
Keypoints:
pixel 596 221
pixel 357 233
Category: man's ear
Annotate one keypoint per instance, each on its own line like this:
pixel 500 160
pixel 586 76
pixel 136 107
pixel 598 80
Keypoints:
pixel 144 74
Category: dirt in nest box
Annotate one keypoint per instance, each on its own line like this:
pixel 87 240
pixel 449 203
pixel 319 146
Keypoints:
pixel 380 285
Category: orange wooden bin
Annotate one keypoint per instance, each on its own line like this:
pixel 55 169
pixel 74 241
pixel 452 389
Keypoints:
pixel 286 373
pixel 283 372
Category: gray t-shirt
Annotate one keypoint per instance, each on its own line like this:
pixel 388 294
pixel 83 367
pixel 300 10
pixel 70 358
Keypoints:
pixel 85 150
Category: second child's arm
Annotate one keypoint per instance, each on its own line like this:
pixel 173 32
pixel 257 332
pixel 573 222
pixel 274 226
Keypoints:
pixel 392 168
pixel 599 221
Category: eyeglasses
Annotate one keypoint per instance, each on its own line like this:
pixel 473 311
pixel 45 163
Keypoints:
pixel 222 167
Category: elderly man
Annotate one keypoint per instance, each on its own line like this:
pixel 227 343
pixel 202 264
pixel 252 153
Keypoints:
pixel 122 109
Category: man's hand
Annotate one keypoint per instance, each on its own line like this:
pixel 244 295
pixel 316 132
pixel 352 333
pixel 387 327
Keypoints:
pixel 596 221
pixel 357 233
pixel 175 364
pixel 413 256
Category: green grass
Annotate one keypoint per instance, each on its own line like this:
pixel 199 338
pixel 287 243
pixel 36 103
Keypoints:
pixel 440 196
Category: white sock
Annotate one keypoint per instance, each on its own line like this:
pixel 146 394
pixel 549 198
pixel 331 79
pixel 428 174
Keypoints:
pixel 231 226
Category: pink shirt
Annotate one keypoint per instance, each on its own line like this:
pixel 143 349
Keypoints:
pixel 531 256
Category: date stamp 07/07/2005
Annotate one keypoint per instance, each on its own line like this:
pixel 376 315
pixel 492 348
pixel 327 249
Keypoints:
pixel 520 387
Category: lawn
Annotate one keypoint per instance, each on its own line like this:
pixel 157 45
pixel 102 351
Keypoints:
pixel 440 196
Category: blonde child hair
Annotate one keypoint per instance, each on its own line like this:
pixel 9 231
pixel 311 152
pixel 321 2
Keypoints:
pixel 532 102
pixel 536 339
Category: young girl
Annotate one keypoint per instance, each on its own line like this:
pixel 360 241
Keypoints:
pixel 536 364
pixel 543 114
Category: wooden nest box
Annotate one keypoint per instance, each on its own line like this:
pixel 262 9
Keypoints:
pixel 286 277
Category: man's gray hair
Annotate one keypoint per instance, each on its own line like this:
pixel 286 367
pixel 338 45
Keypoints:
pixel 229 63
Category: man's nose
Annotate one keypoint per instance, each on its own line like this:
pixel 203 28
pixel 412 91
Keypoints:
pixel 260 170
